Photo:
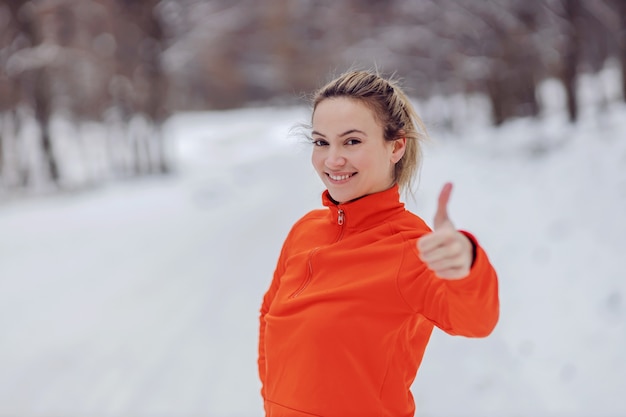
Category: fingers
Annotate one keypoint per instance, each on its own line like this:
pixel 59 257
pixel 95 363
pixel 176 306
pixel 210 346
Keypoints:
pixel 452 273
pixel 444 258
pixel 441 216
pixel 448 253
pixel 436 239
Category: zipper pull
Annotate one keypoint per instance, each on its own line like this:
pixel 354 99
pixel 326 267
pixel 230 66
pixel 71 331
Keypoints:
pixel 340 217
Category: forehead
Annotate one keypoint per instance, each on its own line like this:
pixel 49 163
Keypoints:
pixel 339 113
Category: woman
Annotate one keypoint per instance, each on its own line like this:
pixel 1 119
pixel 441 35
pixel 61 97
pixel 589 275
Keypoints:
pixel 360 284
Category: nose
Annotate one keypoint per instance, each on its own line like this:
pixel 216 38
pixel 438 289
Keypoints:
pixel 335 158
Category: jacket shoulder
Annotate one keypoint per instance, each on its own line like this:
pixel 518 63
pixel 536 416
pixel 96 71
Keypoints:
pixel 314 214
pixel 410 224
pixel 312 219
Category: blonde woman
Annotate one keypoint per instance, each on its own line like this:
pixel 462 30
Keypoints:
pixel 360 284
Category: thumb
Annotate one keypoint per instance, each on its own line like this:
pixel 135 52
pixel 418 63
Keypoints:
pixel 441 217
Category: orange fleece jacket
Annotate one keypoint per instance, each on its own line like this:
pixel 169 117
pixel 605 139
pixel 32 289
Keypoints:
pixel 351 308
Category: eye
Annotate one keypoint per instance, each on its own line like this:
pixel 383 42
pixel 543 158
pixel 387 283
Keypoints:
pixel 353 141
pixel 319 142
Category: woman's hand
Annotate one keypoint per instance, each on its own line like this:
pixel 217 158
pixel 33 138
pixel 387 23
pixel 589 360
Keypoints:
pixel 446 251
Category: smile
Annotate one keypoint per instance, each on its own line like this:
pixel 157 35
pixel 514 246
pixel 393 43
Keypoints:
pixel 340 177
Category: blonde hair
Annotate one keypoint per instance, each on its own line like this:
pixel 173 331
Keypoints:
pixel 393 110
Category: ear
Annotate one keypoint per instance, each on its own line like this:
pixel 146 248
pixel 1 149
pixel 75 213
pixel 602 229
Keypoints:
pixel 399 147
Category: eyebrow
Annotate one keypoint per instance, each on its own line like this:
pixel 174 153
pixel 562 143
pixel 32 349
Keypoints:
pixel 347 132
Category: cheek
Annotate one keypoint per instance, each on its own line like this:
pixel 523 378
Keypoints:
pixel 316 159
pixel 383 164
pixel 376 162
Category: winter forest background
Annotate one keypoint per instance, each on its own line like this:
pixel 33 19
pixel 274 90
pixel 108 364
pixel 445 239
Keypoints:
pixel 148 176
pixel 67 67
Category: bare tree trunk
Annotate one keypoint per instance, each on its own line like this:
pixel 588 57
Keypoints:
pixel 147 82
pixel 16 172
pixel 43 110
pixel 42 95
pixel 141 154
pixel 10 98
pixel 571 56
pixel 2 153
pixel 623 62
pixel 163 166
pixel 157 81
pixel 497 99
pixel 620 5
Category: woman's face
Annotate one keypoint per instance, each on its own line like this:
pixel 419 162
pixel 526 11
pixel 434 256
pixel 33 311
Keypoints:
pixel 350 153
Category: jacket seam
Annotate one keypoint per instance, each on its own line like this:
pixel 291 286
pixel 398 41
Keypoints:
pixel 398 286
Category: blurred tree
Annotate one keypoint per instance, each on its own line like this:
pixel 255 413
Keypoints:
pixel 156 82
pixel 573 14
pixel 514 63
pixel 8 93
pixel 589 34
pixel 620 8
pixel 13 168
pixel 35 80
pixel 139 86
pixel 490 48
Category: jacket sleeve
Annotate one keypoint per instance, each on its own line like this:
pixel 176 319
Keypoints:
pixel 466 307
pixel 265 306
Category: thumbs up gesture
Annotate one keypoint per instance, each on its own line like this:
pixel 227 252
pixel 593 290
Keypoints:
pixel 446 251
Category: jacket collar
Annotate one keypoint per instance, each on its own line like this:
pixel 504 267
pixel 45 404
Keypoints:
pixel 367 211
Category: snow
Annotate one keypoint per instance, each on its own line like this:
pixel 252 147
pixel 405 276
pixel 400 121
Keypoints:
pixel 141 298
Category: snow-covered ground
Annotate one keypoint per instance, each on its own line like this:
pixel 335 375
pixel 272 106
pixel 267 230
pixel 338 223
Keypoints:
pixel 141 298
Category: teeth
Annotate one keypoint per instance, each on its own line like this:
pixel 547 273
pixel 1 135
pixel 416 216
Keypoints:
pixel 339 177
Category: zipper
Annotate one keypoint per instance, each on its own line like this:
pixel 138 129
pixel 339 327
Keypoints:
pixel 341 219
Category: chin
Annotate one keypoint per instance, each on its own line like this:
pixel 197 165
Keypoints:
pixel 342 197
